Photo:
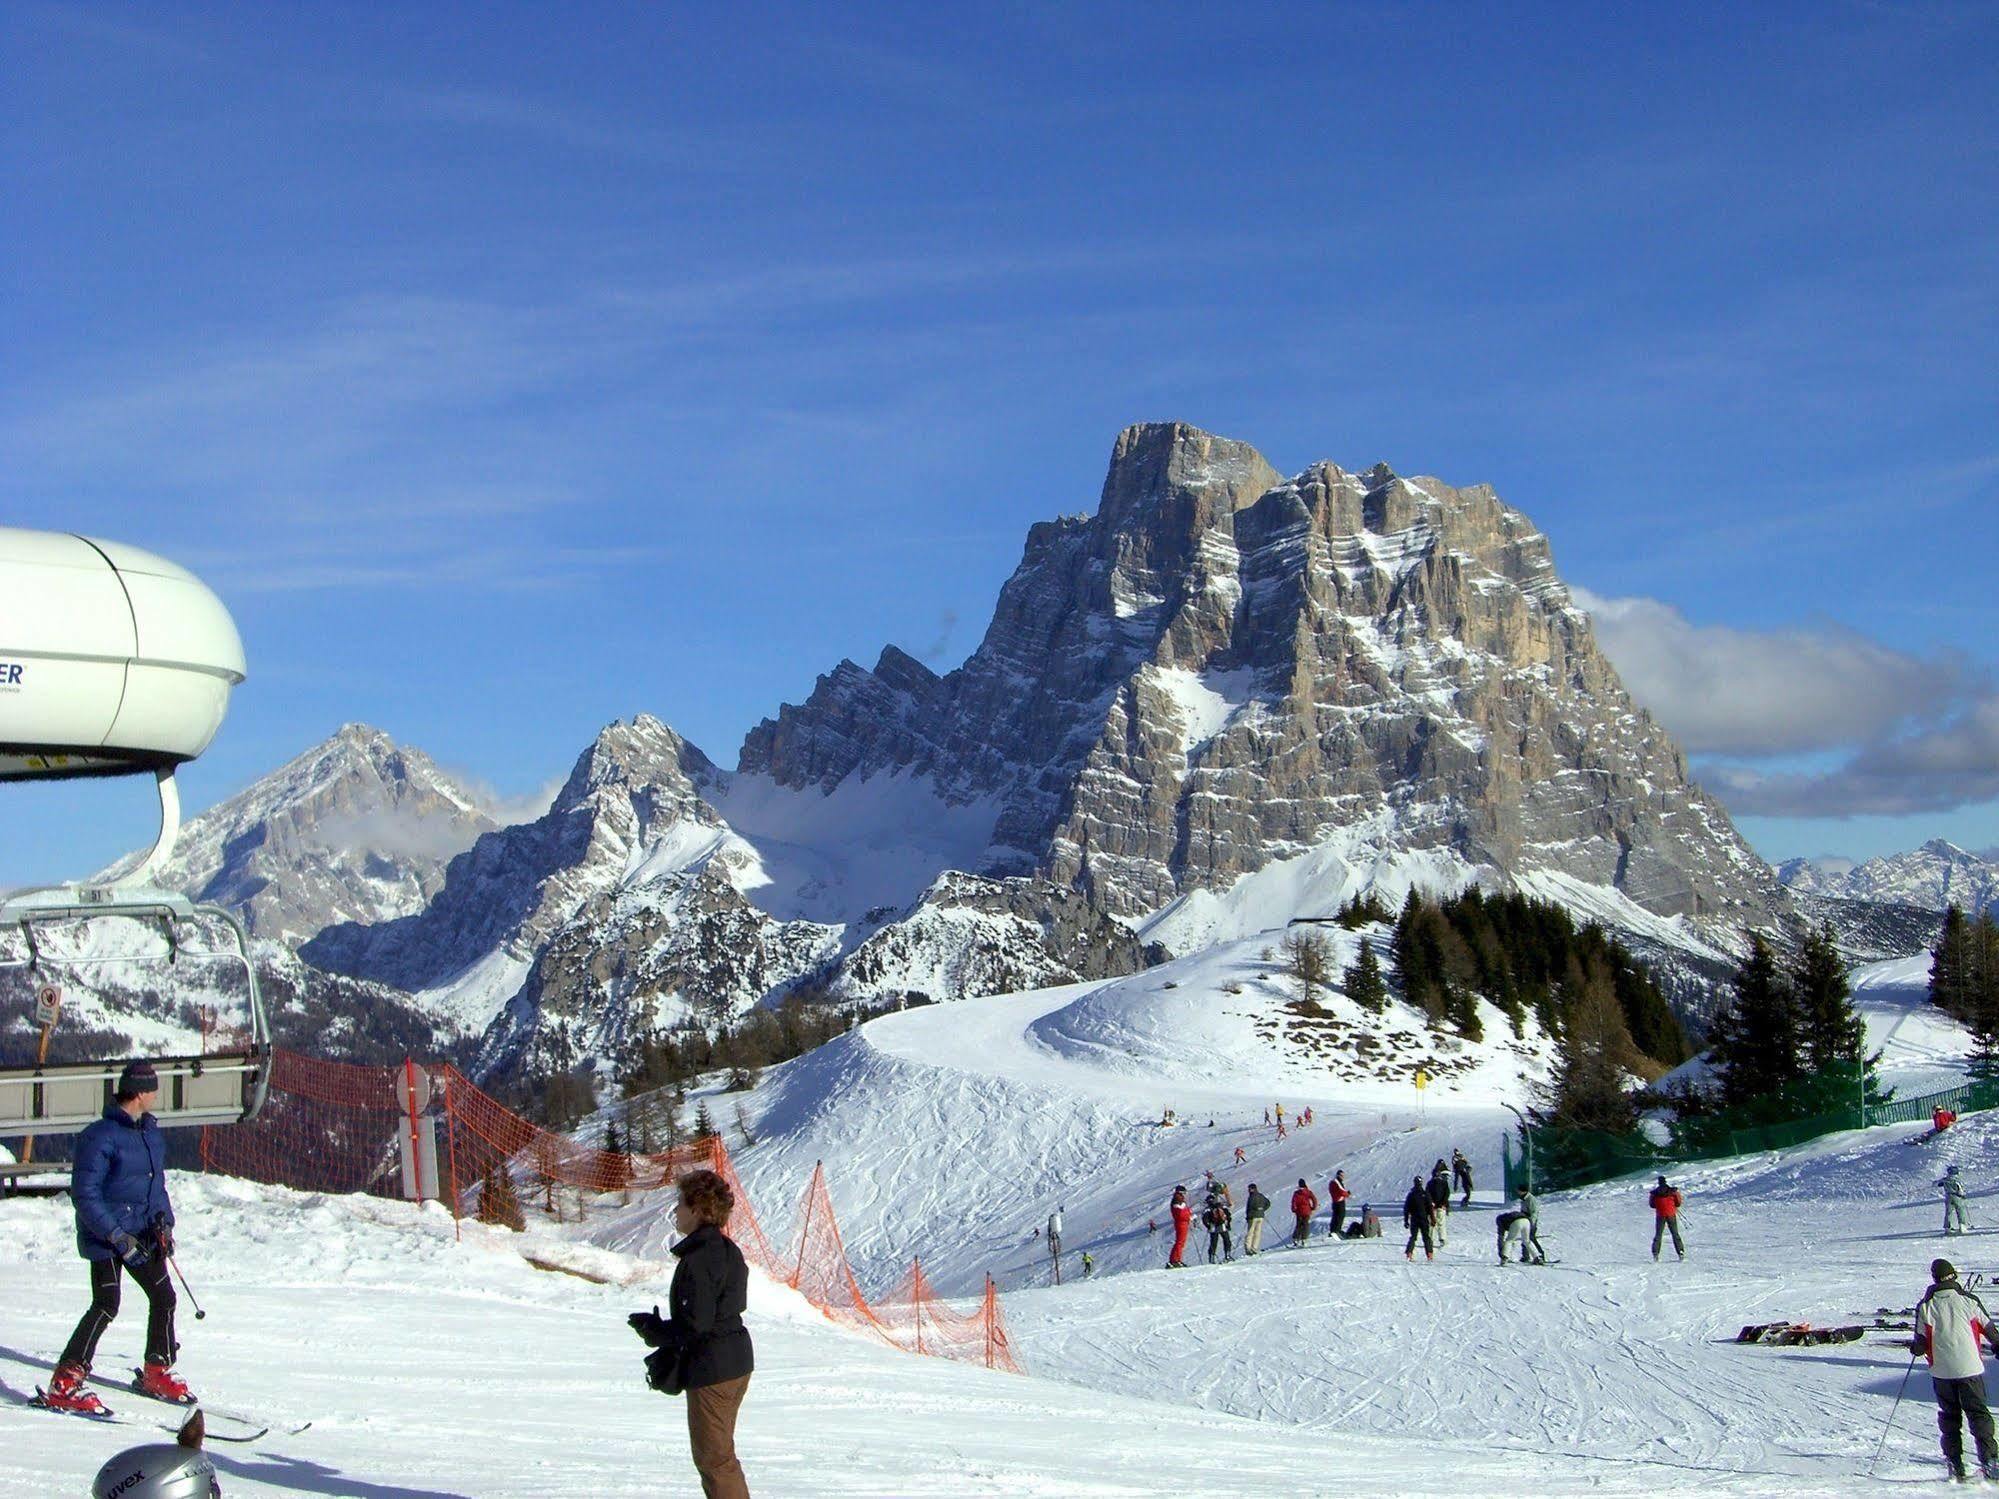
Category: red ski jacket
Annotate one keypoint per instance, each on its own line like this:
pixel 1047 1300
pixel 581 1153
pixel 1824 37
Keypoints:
pixel 1303 1203
pixel 1666 1201
pixel 1183 1214
pixel 1337 1193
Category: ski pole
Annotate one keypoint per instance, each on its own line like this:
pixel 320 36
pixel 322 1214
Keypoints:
pixel 1891 1413
pixel 199 1314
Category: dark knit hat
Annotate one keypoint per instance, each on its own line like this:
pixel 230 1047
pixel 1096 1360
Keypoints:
pixel 138 1077
pixel 1942 1270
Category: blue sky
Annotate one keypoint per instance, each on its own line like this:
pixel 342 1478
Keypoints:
pixel 511 369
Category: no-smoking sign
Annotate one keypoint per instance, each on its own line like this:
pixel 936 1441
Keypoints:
pixel 48 1004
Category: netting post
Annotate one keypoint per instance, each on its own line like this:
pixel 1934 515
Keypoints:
pixel 416 1149
pixel 451 1140
pixel 805 1228
pixel 986 1316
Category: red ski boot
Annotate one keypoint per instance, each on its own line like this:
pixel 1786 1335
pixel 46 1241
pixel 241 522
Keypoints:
pixel 158 1382
pixel 67 1392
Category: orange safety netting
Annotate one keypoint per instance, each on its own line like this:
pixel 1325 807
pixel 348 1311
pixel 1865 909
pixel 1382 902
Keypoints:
pixel 337 1127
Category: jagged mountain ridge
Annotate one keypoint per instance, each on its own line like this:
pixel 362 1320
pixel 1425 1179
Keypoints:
pixel 1225 697
pixel 1932 878
pixel 1221 667
pixel 357 828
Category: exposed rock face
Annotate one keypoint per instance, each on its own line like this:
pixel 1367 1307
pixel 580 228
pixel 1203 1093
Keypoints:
pixel 1933 877
pixel 357 828
pixel 971 936
pixel 514 888
pixel 634 962
pixel 1221 666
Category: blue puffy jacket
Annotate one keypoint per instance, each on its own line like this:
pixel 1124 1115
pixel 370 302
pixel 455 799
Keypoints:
pixel 119 1180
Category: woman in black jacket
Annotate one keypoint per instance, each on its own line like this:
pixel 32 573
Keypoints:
pixel 711 1285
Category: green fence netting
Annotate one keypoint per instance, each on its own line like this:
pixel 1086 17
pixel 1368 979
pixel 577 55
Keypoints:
pixel 1563 1158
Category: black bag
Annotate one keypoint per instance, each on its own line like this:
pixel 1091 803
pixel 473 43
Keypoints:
pixel 665 1365
pixel 665 1370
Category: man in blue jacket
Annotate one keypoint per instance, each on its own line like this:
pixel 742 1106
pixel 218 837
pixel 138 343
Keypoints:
pixel 124 1223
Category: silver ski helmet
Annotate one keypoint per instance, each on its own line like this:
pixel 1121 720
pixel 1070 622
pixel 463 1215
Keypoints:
pixel 158 1470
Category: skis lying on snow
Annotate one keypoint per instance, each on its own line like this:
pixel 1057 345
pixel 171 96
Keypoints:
pixel 1797 1334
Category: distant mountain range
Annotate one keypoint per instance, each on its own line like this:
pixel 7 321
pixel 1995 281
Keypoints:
pixel 1933 877
pixel 1224 699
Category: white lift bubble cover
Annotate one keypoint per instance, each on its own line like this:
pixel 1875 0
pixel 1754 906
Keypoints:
pixel 112 660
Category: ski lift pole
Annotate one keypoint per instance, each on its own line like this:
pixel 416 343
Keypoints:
pixel 48 1009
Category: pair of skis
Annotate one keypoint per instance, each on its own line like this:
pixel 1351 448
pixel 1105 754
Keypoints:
pixel 253 1429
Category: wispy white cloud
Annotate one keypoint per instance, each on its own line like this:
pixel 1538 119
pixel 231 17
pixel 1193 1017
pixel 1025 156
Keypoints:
pixel 1722 689
pixel 1935 768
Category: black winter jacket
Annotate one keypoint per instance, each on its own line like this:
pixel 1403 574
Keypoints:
pixel 711 1286
pixel 1417 1209
pixel 1440 1190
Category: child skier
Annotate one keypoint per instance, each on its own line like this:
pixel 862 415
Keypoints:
pixel 1956 1218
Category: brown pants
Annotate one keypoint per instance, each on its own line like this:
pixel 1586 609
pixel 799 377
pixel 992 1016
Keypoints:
pixel 711 1432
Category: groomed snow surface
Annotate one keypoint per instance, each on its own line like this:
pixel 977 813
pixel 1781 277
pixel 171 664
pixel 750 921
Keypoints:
pixel 432 1368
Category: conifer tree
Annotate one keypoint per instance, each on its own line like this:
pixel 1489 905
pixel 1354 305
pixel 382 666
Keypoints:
pixel 1755 1040
pixel 1830 1028
pixel 1980 988
pixel 1595 1047
pixel 704 1123
pixel 1950 962
pixel 1363 981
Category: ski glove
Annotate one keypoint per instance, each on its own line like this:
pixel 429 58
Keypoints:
pixel 650 1326
pixel 163 1235
pixel 127 1248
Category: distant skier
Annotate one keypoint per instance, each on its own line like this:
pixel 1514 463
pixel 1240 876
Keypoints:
pixel 1240 1158
pixel 124 1225
pixel 1304 1203
pixel 1218 1216
pixel 1941 1119
pixel 1089 1265
pixel 1531 1206
pixel 1255 1208
pixel 1306 1117
pixel 1183 1219
pixel 1440 1199
pixel 1956 1217
pixel 1666 1201
pixel 1337 1193
pixel 1461 1175
pixel 1951 1326
pixel 1419 1213
pixel 1266 1116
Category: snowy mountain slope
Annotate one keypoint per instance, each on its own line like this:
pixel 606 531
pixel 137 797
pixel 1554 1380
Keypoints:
pixel 440 1370
pixel 1937 875
pixel 953 1130
pixel 357 828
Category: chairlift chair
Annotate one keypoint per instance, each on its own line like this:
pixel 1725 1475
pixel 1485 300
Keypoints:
pixel 116 662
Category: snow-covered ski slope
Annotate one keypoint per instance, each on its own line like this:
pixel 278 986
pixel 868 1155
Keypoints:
pixel 432 1368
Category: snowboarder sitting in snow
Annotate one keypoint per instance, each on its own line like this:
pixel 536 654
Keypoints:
pixel 1418 1215
pixel 124 1225
pixel 1941 1119
pixel 1666 1201
pixel 1367 1226
pixel 1951 1326
pixel 1956 1218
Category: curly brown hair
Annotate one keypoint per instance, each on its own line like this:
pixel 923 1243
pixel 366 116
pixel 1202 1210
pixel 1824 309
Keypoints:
pixel 707 1197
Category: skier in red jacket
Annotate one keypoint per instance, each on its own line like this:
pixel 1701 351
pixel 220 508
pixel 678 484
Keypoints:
pixel 1183 1219
pixel 1304 1203
pixel 1666 1200
pixel 1337 1193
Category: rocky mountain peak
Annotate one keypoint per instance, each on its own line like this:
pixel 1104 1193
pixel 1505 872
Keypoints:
pixel 643 758
pixel 357 828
